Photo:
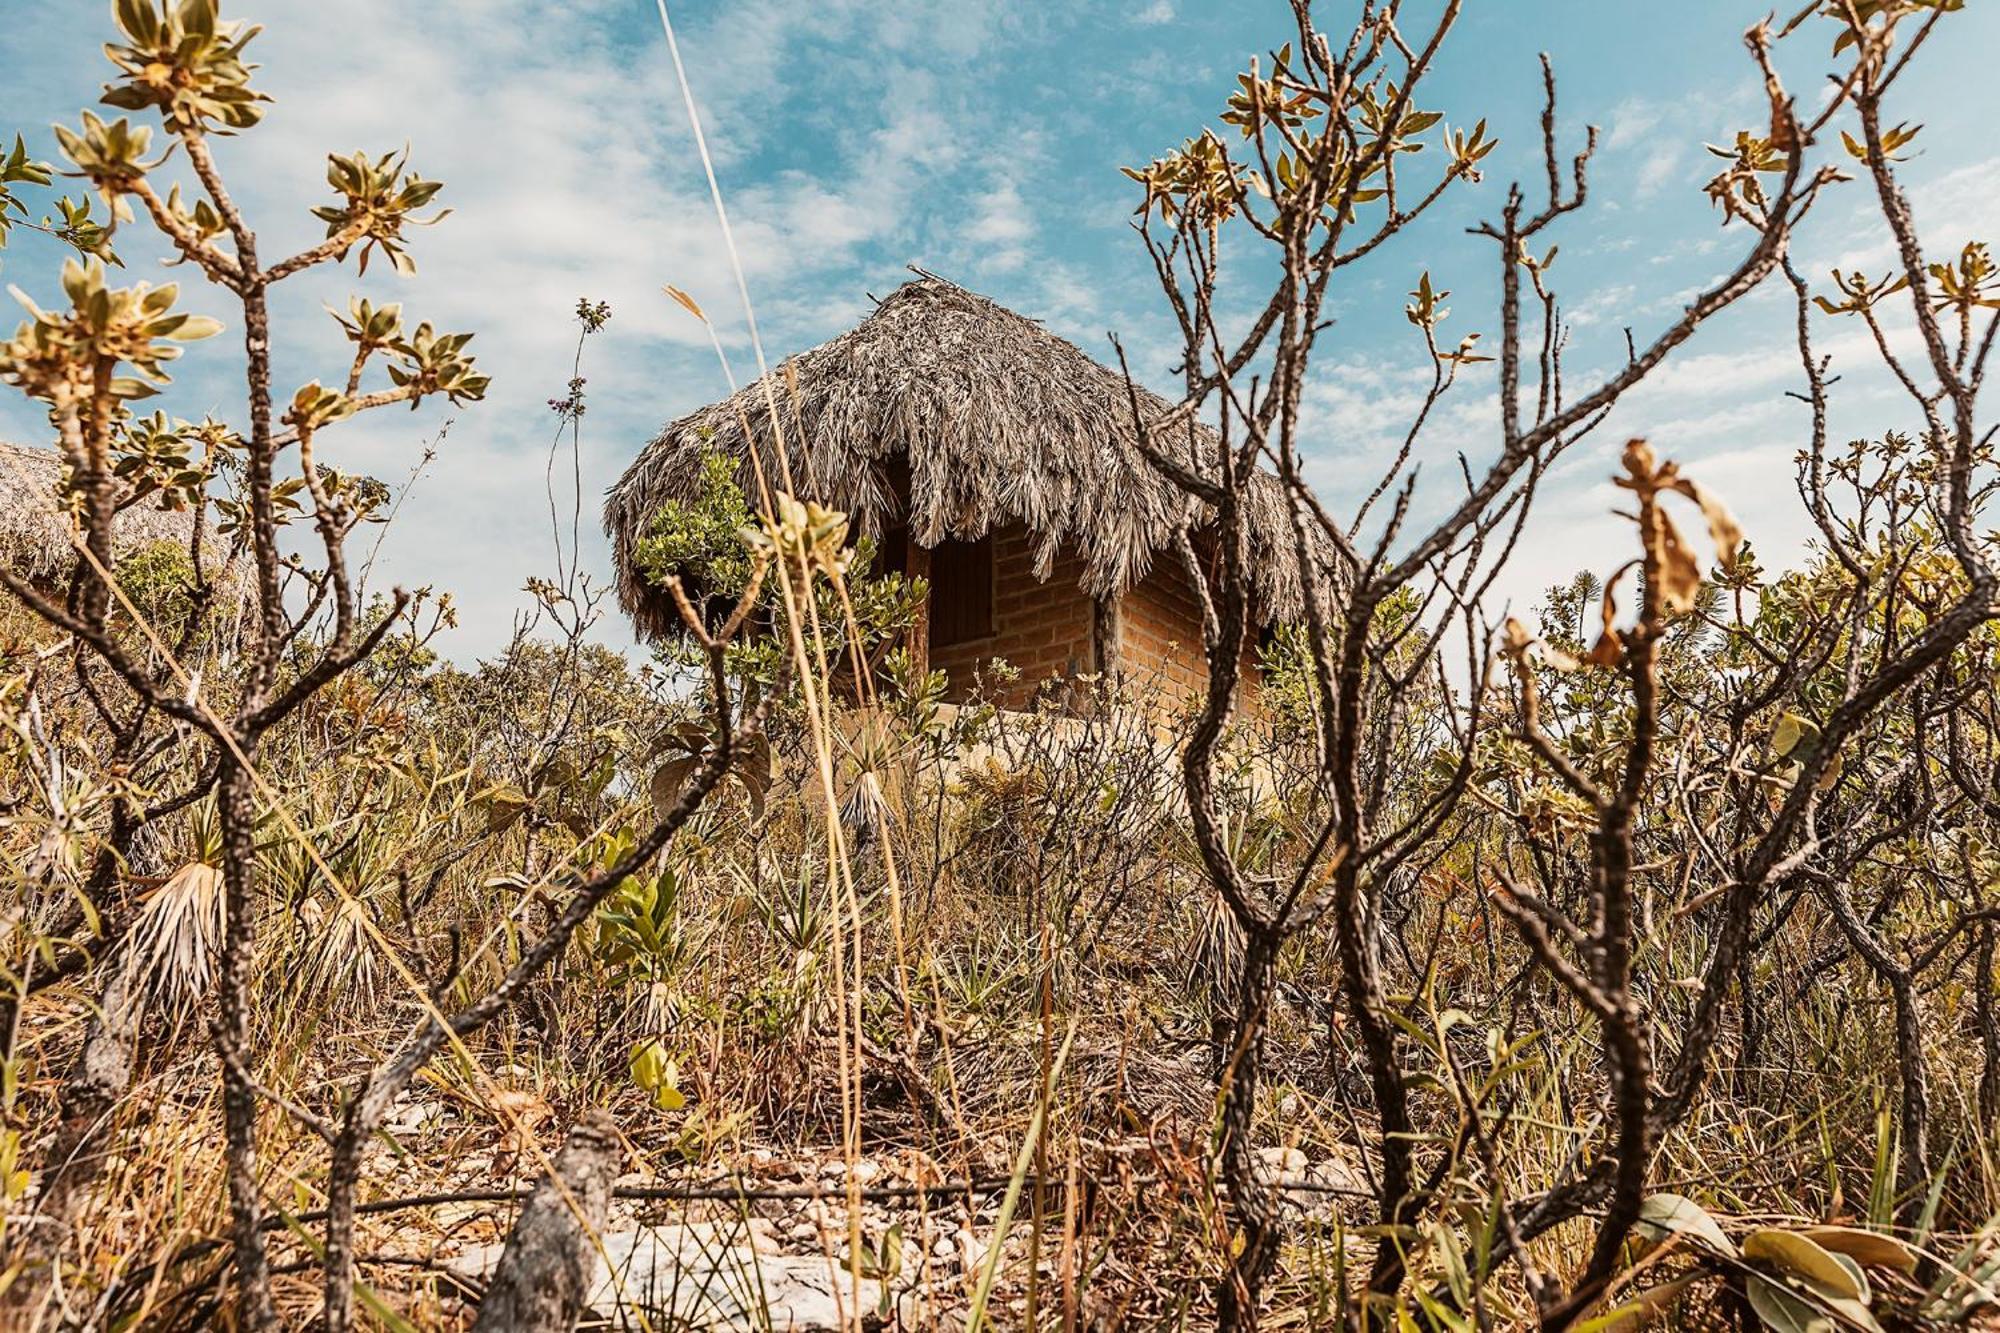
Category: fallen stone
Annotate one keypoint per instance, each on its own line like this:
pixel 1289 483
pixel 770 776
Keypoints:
pixel 709 1276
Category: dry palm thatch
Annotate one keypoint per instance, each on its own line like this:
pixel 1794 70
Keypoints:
pixel 178 936
pixel 999 420
pixel 36 532
pixel 34 529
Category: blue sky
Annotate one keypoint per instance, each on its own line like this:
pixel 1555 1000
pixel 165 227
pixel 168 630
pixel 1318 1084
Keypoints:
pixel 982 141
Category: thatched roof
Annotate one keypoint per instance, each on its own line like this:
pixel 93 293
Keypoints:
pixel 1000 421
pixel 35 532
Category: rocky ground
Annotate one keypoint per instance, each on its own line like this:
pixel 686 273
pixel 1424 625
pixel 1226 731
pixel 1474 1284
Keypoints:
pixel 777 1255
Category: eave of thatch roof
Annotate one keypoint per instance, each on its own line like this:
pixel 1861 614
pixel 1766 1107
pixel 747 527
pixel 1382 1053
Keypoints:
pixel 1000 421
pixel 35 532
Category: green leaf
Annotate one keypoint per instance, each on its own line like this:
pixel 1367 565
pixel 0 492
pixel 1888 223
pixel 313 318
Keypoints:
pixel 194 327
pixel 655 1072
pixel 1799 1256
pixel 198 17
pixel 1792 732
pixel 138 21
pixel 1671 1214
pixel 504 805
pixel 1782 1311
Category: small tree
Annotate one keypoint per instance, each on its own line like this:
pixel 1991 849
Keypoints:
pixel 308 627
pixel 109 347
pixel 1318 162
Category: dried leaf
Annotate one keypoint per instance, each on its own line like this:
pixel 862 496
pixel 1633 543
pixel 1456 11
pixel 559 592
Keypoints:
pixel 755 767
pixel 1723 529
pixel 1610 647
pixel 1517 645
pixel 177 937
pixel 519 1110
pixel 1870 1249
pixel 1664 1214
pixel 1781 1311
pixel 687 302
pixel 669 778
pixel 504 805
pixel 1639 461
pixel 1679 573
pixel 1642 1307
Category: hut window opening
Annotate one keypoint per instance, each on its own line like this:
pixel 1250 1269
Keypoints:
pixel 961 592
pixel 892 552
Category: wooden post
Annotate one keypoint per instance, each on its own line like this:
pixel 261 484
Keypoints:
pixel 1105 627
pixel 545 1273
pixel 917 564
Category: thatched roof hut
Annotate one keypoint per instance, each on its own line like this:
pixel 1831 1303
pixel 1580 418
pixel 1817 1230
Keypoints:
pixel 35 532
pixel 994 421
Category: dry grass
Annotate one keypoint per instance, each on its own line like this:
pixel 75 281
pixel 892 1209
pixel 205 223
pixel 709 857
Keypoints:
pixel 882 1039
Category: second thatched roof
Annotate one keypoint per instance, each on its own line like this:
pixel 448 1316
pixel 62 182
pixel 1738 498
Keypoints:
pixel 35 531
pixel 999 421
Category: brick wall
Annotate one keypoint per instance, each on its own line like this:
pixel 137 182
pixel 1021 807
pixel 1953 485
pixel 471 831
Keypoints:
pixel 1044 628
pixel 1159 633
pixel 1159 636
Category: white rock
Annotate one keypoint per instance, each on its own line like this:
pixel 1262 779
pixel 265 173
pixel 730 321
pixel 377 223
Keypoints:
pixel 1342 1171
pixel 971 1250
pixel 1284 1163
pixel 914 1309
pixel 411 1117
pixel 763 1234
pixel 686 1276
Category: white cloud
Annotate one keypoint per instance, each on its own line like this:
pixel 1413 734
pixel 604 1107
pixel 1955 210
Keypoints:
pixel 558 193
pixel 1952 209
pixel 1660 169
pixel 558 130
pixel 1001 217
pixel 1631 121
pixel 1662 134
pixel 851 137
pixel 1613 302
pixel 1000 227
